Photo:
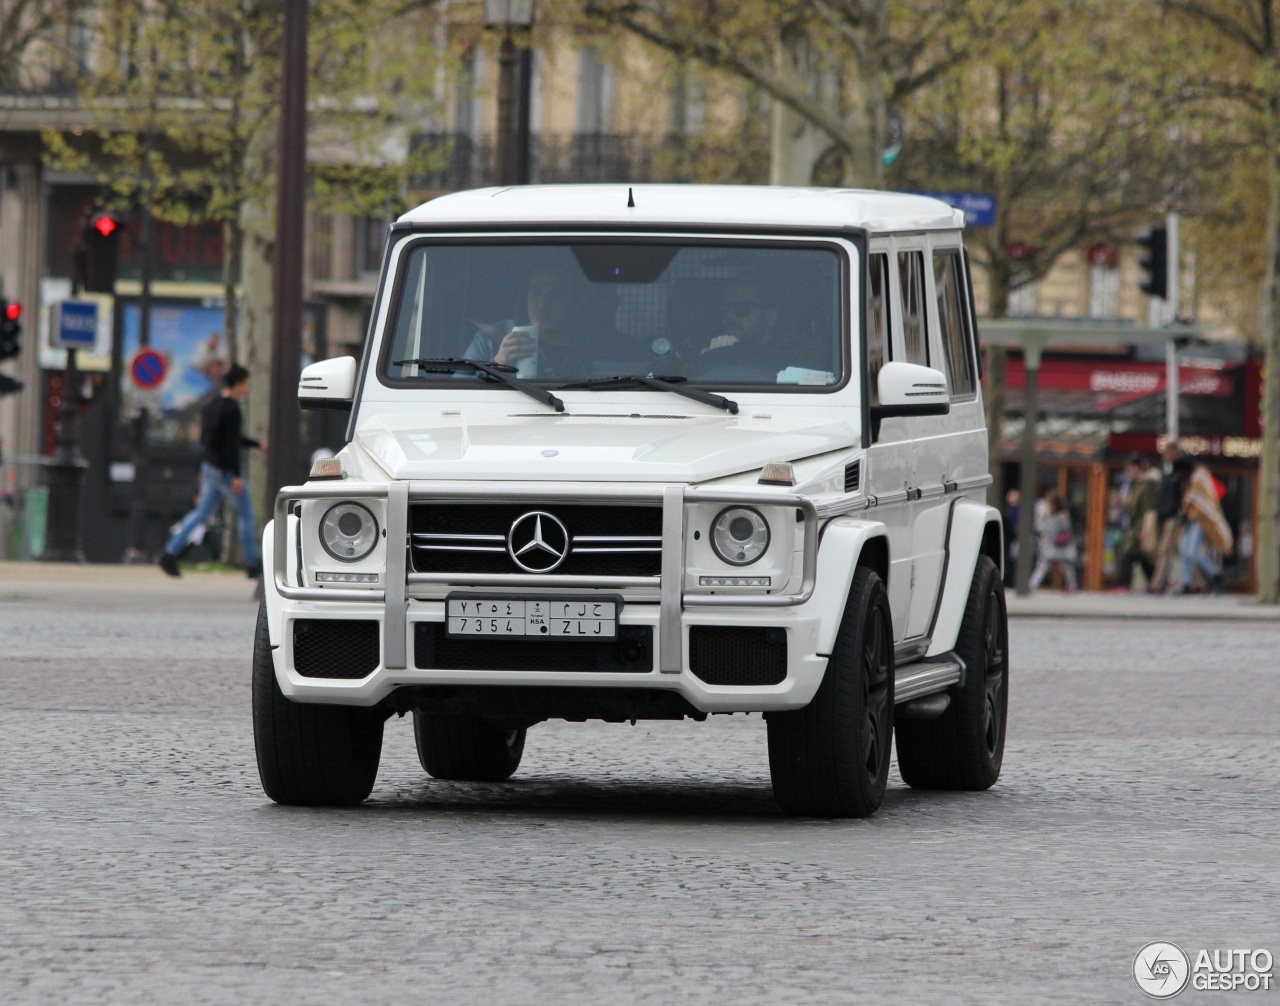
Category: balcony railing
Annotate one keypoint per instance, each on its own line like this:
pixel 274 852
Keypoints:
pixel 460 161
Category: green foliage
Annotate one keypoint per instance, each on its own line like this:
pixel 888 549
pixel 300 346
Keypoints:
pixel 1063 113
pixel 838 64
pixel 182 94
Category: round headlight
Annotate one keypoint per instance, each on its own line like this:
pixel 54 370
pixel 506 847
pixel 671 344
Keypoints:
pixel 739 535
pixel 348 531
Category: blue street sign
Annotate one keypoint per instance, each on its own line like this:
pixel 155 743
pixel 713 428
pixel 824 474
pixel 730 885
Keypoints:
pixel 75 324
pixel 979 209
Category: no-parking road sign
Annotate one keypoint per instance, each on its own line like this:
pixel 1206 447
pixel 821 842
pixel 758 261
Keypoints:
pixel 147 369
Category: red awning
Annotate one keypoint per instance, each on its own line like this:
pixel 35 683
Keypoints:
pixel 1101 386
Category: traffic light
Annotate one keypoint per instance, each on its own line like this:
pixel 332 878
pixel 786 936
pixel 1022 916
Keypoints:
pixel 1155 263
pixel 100 251
pixel 10 328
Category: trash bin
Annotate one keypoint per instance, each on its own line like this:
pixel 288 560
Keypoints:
pixel 7 539
pixel 36 520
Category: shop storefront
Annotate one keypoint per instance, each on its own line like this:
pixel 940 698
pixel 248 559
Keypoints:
pixel 1096 410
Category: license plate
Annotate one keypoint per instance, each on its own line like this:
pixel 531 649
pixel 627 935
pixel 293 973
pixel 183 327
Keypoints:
pixel 532 617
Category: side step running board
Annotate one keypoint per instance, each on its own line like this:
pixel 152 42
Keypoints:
pixel 915 680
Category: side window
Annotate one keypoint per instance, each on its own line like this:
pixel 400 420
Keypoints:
pixel 879 345
pixel 915 335
pixel 952 318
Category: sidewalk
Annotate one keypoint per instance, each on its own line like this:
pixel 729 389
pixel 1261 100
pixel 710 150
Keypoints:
pixel 146 581
pixel 1206 607
pixel 119 585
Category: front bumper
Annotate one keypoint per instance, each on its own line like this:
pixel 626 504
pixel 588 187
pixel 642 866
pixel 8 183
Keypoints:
pixel 658 603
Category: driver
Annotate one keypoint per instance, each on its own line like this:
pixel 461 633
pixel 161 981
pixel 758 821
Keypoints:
pixel 753 345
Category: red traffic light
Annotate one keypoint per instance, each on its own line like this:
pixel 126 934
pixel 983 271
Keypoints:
pixel 105 226
pixel 12 310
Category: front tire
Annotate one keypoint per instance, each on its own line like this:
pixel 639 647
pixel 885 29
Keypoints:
pixel 831 758
pixel 466 748
pixel 964 748
pixel 310 755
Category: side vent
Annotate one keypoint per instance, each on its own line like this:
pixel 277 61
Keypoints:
pixel 852 477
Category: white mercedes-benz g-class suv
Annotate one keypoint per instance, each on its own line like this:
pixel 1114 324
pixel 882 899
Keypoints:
pixel 648 452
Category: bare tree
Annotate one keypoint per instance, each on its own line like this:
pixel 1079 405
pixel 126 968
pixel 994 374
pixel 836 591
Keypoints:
pixel 835 65
pixel 25 25
pixel 1060 116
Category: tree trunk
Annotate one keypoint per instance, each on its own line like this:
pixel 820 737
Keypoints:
pixel 993 392
pixel 795 147
pixel 257 231
pixel 232 250
pixel 1268 522
pixel 868 114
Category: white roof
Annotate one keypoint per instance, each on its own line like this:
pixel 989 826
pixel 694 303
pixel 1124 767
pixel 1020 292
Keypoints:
pixel 728 205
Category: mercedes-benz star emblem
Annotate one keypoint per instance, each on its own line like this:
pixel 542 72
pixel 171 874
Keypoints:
pixel 537 542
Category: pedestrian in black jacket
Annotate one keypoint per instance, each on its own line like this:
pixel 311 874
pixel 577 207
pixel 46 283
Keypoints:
pixel 222 440
pixel 1173 477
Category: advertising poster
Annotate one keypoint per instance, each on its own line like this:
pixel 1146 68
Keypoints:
pixel 188 335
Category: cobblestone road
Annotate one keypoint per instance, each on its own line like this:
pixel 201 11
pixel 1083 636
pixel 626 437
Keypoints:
pixel 140 862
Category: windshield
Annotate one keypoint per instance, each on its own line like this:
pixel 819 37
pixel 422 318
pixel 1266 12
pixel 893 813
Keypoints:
pixel 729 314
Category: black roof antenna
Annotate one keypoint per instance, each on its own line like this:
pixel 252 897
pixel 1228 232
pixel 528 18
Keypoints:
pixel 631 199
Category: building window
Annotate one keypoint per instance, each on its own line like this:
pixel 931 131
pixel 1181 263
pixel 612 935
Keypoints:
pixel 595 93
pixel 535 90
pixel 467 111
pixel 688 103
pixel 1022 301
pixel 371 239
pixel 1104 282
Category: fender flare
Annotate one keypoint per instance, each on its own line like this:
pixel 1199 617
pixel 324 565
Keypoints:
pixel 975 530
pixel 842 546
pixel 270 598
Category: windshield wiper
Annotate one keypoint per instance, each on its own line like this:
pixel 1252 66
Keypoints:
pixel 673 384
pixel 500 372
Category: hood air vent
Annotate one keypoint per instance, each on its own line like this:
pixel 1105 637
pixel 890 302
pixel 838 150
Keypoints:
pixel 852 477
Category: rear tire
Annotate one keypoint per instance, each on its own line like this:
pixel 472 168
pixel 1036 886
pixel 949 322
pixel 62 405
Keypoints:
pixel 466 748
pixel 831 758
pixel 964 748
pixel 310 755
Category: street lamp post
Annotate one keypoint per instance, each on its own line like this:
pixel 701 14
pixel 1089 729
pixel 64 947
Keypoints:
pixel 515 74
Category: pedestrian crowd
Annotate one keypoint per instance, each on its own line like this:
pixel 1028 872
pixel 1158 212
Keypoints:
pixel 1172 529
pixel 1193 539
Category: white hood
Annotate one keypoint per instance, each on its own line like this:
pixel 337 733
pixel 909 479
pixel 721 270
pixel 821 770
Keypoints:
pixel 593 448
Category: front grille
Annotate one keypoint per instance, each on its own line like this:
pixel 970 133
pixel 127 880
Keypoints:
pixel 733 655
pixel 624 540
pixel 631 652
pixel 335 648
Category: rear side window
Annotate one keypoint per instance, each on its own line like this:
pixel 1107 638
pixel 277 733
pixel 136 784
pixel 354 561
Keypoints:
pixel 915 333
pixel 879 344
pixel 948 277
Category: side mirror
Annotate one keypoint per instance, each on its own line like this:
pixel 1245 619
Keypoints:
pixel 908 389
pixel 329 384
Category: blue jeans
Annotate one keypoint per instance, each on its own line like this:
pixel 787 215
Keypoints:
pixel 214 486
pixel 1191 551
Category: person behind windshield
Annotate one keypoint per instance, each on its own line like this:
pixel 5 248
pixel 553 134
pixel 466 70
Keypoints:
pixel 756 343
pixel 550 346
